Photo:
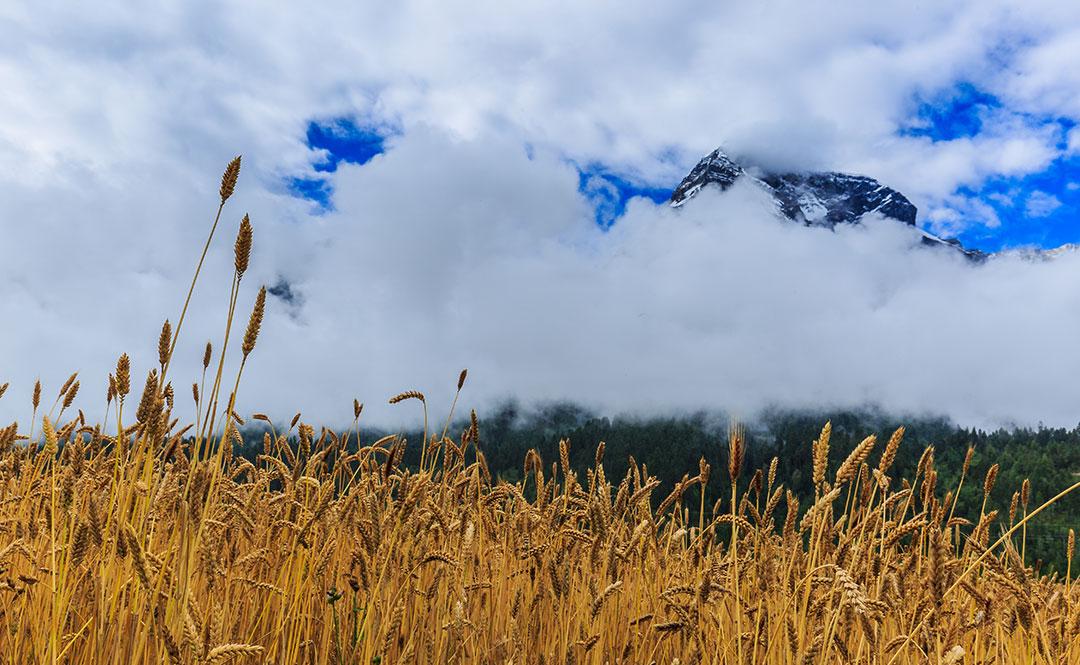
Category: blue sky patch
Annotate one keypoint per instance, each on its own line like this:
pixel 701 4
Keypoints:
pixel 344 141
pixel 317 190
pixel 609 192
pixel 341 140
pixel 958 114
pixel 1038 209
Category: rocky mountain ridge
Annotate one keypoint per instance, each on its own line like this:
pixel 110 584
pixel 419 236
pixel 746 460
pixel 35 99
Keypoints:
pixel 813 198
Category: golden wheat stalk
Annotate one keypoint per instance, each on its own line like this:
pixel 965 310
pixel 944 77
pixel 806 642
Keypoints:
pixel 228 186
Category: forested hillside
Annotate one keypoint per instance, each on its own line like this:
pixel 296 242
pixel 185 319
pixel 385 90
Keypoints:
pixel 672 446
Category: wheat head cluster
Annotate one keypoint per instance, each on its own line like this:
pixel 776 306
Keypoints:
pixel 144 539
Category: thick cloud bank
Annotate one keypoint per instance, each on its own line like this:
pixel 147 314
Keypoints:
pixel 445 254
pixel 448 255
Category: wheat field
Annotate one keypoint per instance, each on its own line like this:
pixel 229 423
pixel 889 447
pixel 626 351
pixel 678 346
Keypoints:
pixel 144 539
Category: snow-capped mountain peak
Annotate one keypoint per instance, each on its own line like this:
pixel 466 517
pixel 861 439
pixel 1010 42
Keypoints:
pixel 812 198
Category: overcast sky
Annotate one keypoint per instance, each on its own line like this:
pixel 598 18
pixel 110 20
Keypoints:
pixel 444 187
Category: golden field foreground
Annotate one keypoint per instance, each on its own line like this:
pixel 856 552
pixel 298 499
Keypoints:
pixel 143 541
pixel 145 555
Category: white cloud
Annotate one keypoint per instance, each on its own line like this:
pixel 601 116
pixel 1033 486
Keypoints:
pixel 1042 78
pixel 716 304
pixel 961 213
pixel 1007 199
pixel 1041 204
pixel 930 171
pixel 455 249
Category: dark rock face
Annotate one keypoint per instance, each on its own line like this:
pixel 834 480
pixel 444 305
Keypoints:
pixel 816 199
pixel 834 198
pixel 716 169
pixel 820 199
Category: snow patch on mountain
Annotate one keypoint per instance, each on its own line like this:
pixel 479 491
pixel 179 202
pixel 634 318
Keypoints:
pixel 815 199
